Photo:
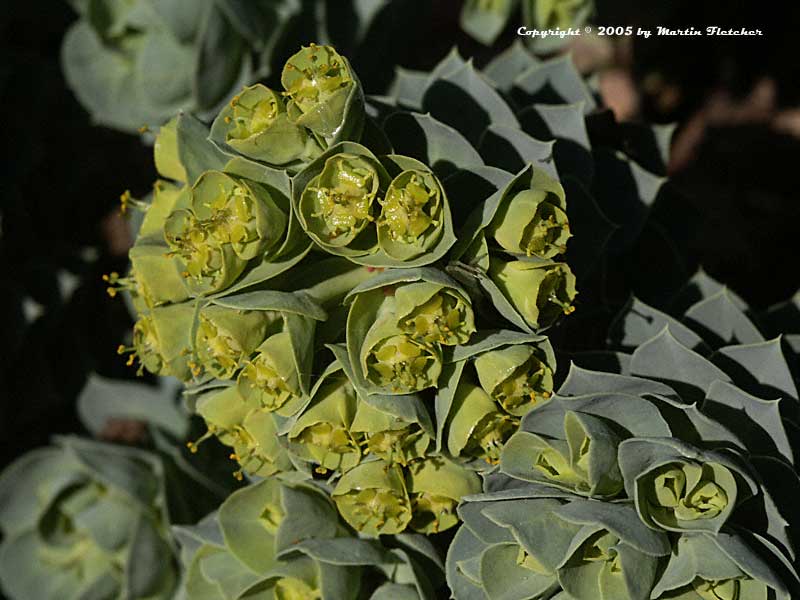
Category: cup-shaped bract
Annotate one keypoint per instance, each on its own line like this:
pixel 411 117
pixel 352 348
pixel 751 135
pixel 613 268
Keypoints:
pixel 227 337
pixel 435 487
pixel 390 359
pixel 166 197
pixel 84 519
pixel 336 206
pixel 230 221
pixel 531 216
pixel 390 436
pixel 677 487
pixel 322 432
pixel 255 124
pixel 276 376
pixel 165 152
pixel 539 291
pixel 518 377
pixel 397 325
pixel 434 313
pixel 248 429
pixel 161 340
pixel 324 94
pixel 373 498
pixel 155 276
pixel 412 217
pixel 477 427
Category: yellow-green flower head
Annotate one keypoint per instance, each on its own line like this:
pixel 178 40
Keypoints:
pixel 230 222
pixel 208 264
pixel 529 223
pixel 552 14
pixel 161 340
pixel 432 313
pixel 477 427
pixel 322 432
pixel 387 436
pixel 252 113
pixel 539 291
pixel 156 277
pixel 318 83
pixel 337 204
pixel 227 337
pixel 518 377
pixel 271 377
pixel 435 486
pixel 403 364
pixel 372 498
pixel 250 431
pixel 256 125
pixel 411 216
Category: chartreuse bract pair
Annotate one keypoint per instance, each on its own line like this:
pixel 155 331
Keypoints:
pixel 671 476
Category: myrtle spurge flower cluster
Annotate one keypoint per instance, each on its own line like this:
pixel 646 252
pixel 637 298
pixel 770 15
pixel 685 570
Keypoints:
pixel 357 292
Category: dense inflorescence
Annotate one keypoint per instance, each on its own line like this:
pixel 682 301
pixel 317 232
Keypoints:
pixel 357 292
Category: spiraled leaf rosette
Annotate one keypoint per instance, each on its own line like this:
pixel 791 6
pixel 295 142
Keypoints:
pixel 677 487
pixel 269 540
pixel 572 444
pixel 723 567
pixel 531 541
pixel 84 519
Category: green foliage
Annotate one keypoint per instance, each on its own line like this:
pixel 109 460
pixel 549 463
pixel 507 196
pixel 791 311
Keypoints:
pixel 83 519
pixel 280 538
pixel 669 478
pixel 355 292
